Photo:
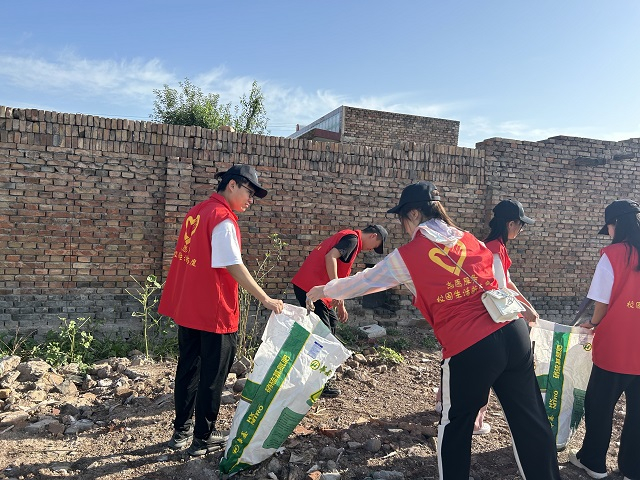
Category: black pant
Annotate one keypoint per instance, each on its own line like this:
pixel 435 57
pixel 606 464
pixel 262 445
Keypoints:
pixel 502 361
pixel 204 363
pixel 326 314
pixel 603 392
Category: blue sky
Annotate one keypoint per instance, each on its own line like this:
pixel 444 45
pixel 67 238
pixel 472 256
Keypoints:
pixel 513 69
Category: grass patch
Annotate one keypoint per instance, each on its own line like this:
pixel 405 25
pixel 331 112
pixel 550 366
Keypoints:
pixel 389 355
pixel 430 343
pixel 350 336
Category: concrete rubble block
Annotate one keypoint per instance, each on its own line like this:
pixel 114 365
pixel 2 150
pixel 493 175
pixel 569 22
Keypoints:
pixel 32 370
pixel 241 366
pixel 13 418
pixel 8 363
pixel 9 379
pixel 374 330
pixel 49 381
pixel 40 426
pixel 239 384
pixel 37 396
pixel 79 426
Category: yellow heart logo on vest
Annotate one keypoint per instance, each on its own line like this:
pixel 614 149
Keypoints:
pixel 442 260
pixel 191 224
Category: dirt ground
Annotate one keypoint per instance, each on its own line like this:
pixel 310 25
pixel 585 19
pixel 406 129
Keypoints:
pixel 383 421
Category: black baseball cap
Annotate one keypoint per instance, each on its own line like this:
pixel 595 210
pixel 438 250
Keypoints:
pixel 249 173
pixel 511 210
pixel 383 235
pixel 617 209
pixel 416 193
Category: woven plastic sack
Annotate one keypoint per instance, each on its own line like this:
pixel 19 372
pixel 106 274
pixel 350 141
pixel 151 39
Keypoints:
pixel 297 356
pixel 562 356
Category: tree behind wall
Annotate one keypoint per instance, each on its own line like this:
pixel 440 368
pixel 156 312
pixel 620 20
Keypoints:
pixel 192 107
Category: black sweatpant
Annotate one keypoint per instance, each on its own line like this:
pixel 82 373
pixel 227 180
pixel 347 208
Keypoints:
pixel 326 314
pixel 204 363
pixel 502 361
pixel 603 392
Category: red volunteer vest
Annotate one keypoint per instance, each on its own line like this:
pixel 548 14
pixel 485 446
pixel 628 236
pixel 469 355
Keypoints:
pixel 196 295
pixel 313 271
pixel 615 342
pixel 449 300
pixel 498 247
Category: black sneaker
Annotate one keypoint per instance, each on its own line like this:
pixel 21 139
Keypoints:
pixel 214 443
pixel 180 439
pixel 330 390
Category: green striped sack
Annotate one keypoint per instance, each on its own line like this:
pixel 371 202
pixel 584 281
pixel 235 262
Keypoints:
pixel 297 356
pixel 562 356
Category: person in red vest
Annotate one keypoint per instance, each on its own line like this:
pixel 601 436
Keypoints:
pixel 201 296
pixel 507 223
pixel 615 288
pixel 447 270
pixel 331 259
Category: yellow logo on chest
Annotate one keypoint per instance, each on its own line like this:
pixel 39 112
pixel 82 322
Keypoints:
pixel 191 225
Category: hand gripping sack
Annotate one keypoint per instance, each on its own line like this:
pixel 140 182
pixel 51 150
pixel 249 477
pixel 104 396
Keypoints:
pixel 297 356
pixel 562 361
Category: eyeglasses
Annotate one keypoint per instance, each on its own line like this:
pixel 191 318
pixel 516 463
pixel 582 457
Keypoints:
pixel 251 192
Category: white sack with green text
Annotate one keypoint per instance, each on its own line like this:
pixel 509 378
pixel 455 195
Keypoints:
pixel 562 359
pixel 297 356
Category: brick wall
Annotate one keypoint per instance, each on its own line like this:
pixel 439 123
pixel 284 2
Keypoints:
pixel 386 129
pixel 564 183
pixel 87 202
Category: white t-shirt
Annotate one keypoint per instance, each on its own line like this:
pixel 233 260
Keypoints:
pixel 602 282
pixel 498 272
pixel 225 250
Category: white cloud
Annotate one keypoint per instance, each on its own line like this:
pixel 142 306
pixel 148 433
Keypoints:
pixel 120 82
pixel 112 87
pixel 480 128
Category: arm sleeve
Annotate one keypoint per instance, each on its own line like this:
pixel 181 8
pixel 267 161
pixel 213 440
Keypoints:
pixel 602 281
pixel 225 250
pixel 498 271
pixel 346 246
pixel 388 273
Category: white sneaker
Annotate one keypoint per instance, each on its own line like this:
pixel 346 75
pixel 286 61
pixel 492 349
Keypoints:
pixel 483 430
pixel 573 459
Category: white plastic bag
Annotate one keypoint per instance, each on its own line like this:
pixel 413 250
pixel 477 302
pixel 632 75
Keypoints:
pixel 562 356
pixel 297 356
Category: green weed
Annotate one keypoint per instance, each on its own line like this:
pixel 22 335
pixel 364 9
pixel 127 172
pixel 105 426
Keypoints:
pixel 349 335
pixel 389 356
pixel 248 334
pixel 398 344
pixel 71 343
pixel 158 331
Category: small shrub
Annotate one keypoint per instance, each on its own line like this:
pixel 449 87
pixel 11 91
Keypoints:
pixel 393 332
pixel 71 343
pixel 115 344
pixel 158 331
pixel 430 343
pixel 248 335
pixel 349 335
pixel 389 356
pixel 17 344
pixel 398 344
